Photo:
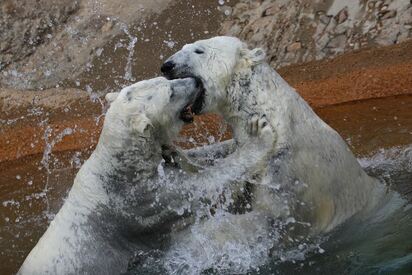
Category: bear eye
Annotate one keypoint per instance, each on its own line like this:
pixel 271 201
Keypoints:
pixel 199 51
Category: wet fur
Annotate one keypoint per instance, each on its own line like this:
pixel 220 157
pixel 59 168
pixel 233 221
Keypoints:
pixel 119 206
pixel 311 163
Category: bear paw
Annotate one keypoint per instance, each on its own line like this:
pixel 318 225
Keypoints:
pixel 259 127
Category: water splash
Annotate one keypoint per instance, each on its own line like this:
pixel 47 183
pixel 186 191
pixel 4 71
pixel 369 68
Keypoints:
pixel 130 47
pixel 45 161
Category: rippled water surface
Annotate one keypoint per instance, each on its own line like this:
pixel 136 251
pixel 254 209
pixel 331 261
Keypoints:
pixel 380 133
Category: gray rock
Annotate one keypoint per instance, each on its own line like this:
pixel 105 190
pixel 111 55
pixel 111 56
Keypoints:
pixel 342 16
pixel 294 47
pixel 310 23
pixel 387 14
pixel 338 41
pixel 325 19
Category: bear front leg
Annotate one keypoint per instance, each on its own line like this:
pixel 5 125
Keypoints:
pixel 198 158
pixel 244 165
pixel 207 155
pixel 176 158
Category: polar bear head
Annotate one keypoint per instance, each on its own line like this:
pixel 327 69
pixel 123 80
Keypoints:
pixel 213 62
pixel 156 105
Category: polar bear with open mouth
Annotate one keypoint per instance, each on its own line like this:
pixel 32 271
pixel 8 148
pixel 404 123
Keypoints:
pixel 117 205
pixel 313 176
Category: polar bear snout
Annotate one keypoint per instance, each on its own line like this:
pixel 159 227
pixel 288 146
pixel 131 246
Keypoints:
pixel 175 68
pixel 167 67
pixel 178 65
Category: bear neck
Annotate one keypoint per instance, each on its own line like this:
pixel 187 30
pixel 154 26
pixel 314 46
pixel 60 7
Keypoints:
pixel 242 101
pixel 128 156
pixel 259 90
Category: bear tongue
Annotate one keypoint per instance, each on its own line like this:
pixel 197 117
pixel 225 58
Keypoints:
pixel 187 114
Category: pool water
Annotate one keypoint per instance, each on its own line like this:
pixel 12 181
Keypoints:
pixel 379 132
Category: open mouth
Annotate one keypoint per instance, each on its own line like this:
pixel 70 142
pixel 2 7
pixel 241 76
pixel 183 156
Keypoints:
pixel 196 105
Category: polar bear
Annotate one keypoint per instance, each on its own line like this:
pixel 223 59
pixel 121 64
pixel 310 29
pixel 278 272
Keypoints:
pixel 118 206
pixel 313 177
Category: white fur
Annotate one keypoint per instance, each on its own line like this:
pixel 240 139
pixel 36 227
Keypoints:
pixel 111 201
pixel 119 204
pixel 311 162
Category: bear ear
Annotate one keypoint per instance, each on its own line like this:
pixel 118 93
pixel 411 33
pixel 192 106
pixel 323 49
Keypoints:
pixel 253 57
pixel 140 123
pixel 110 97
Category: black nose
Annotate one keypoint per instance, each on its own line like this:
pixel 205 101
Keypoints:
pixel 167 67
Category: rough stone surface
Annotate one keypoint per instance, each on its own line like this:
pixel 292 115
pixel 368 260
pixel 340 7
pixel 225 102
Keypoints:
pixel 47 41
pixel 98 45
pixel 26 24
pixel 323 28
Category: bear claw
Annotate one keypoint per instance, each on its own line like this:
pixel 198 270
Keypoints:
pixel 258 126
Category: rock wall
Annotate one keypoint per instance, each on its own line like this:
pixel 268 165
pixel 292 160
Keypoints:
pixel 27 24
pixel 44 42
pixel 304 30
pixel 96 45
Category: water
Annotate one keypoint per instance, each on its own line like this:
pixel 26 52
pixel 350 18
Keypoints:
pixel 384 147
pixel 33 188
pixel 380 243
pixel 366 247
